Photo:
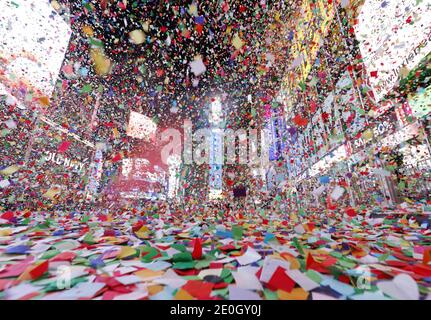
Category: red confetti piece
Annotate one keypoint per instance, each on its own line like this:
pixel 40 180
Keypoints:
pixel 197 249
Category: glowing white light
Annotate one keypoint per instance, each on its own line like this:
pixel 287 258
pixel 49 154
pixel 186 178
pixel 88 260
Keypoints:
pixel 402 135
pixel 392 34
pixel 215 194
pixel 334 157
pixel 420 103
pixel 126 167
pixel 216 112
pixel 174 162
pixel 140 126
pixel 34 39
pixel 140 167
pixel 216 151
pixel 415 154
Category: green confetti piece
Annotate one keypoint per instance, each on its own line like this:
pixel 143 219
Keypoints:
pixel 303 86
pixel 192 278
pixel 424 290
pixel 201 264
pixel 314 275
pixel 346 264
pixel 361 111
pixel 96 42
pixel 179 247
pixel 383 257
pixel 88 6
pixel 53 286
pixel 301 212
pixel 50 254
pixel 297 245
pixel 184 265
pixel 408 253
pixel 86 88
pixel 270 295
pixel 149 254
pixel 225 273
pixel 88 238
pixel 182 257
pixel 80 261
pixel 220 292
pixel 237 232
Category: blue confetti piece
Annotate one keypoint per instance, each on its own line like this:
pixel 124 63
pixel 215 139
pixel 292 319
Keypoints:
pixel 17 249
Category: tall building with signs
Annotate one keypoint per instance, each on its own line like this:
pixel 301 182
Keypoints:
pixel 216 150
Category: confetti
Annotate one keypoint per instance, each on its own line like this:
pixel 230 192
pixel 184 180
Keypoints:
pixel 101 193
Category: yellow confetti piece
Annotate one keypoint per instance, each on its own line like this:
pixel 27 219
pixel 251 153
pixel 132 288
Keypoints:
pixel 5 232
pixel 367 135
pixel 102 64
pixel 52 192
pixel 126 252
pixel 296 294
pixel 115 132
pixel 144 229
pixel 237 42
pixel 137 36
pixel 25 276
pixel 147 274
pixel 111 240
pixel 44 101
pixel 404 72
pixel 55 5
pixel 88 31
pixel 193 9
pixel 183 295
pixel 143 233
pixel 9 170
pixel 146 26
pixel 372 113
pixel 184 235
pixel 152 290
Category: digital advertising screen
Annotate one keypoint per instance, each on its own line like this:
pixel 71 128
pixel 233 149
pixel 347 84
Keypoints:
pixel 33 42
pixel 393 38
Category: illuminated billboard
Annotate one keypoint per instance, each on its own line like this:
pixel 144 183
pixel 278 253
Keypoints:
pixel 140 174
pixel 60 165
pixel 420 103
pixel 141 127
pixel 33 42
pixel 143 169
pixel 216 150
pixel 313 25
pixel 392 35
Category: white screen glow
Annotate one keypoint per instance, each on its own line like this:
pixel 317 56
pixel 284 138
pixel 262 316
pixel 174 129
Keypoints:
pixel 140 126
pixel 33 41
pixel 392 34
